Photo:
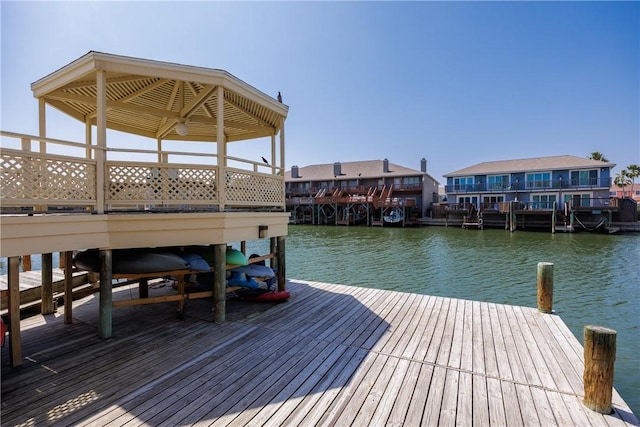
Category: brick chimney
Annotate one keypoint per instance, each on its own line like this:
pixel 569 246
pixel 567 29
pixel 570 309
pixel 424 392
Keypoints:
pixel 337 169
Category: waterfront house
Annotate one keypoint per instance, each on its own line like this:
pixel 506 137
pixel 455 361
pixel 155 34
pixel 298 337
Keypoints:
pixel 359 192
pixel 111 192
pixel 535 186
pixel 629 191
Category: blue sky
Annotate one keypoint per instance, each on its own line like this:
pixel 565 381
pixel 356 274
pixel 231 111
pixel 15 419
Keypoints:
pixel 455 82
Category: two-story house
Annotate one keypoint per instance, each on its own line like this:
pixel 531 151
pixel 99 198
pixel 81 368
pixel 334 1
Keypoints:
pixel 552 188
pixel 538 182
pixel 359 192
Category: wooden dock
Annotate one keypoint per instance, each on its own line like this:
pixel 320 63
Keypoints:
pixel 31 283
pixel 331 355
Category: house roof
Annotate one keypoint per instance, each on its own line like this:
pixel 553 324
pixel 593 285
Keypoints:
pixel 533 164
pixel 351 170
pixel 149 98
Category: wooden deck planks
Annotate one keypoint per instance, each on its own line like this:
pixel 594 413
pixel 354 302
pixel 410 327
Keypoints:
pixel 332 355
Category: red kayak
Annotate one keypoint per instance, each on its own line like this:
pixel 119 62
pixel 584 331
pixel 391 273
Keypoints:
pixel 268 296
pixel 3 330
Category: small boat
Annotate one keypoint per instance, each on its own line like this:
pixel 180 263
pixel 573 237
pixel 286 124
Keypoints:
pixel 254 270
pixel 394 217
pixel 242 280
pixel 131 261
pixel 233 256
pixel 260 295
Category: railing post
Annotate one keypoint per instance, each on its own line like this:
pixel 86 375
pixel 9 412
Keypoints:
pixel 545 287
pixel 599 358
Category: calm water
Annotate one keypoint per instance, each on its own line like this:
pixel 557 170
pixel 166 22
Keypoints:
pixel 596 276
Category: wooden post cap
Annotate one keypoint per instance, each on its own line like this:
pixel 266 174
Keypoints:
pixel 599 358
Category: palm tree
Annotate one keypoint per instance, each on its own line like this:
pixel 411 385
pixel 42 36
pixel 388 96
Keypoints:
pixel 633 172
pixel 622 180
pixel 596 155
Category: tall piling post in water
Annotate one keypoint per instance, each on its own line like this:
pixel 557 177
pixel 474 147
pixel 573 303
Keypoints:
pixel 545 287
pixel 599 358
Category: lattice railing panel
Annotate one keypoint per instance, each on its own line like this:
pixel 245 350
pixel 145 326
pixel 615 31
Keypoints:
pixel 170 184
pixel 27 176
pixel 245 188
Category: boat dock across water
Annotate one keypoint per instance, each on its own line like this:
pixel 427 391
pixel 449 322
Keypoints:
pixel 331 355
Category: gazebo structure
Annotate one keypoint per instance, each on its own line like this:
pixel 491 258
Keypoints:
pixel 62 196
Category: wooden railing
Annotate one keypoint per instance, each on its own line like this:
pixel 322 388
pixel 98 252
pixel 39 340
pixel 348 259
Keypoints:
pixel 33 178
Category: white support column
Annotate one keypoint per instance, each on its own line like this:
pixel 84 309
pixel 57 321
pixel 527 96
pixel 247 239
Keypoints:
pixel 221 150
pixel 88 138
pixel 273 155
pixel 42 123
pixel 159 142
pixel 282 166
pixel 101 154
pixel 42 131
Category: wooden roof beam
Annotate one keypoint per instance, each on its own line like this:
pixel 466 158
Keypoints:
pixel 111 104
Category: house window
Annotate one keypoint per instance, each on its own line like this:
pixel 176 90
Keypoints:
pixel 463 183
pixel 584 178
pixel 498 182
pixel 411 181
pixel 539 180
pixel 578 200
pixel 542 201
pixel 468 200
pixel 491 202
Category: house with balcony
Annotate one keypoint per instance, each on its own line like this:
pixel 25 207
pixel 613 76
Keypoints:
pixel 535 192
pixel 362 192
pixel 152 171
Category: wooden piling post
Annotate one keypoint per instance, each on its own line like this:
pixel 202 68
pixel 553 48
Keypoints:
pixel 46 289
pixel 26 263
pixel 545 287
pixel 571 221
pixel 68 287
pixel 105 307
pixel 281 272
pixel 15 341
pixel 273 245
pixel 219 282
pixel 599 358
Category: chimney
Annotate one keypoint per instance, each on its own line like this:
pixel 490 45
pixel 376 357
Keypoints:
pixel 294 172
pixel 337 169
pixel 385 166
pixel 423 165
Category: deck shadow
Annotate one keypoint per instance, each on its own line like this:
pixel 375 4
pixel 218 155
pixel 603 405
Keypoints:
pixel 159 370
